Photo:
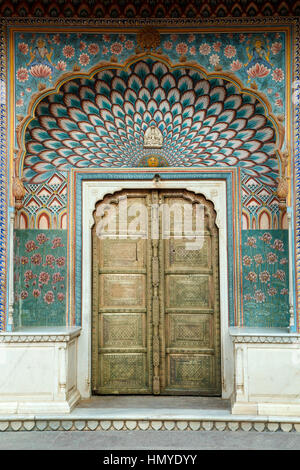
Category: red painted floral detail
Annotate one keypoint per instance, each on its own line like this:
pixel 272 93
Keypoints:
pixel 49 297
pixel 30 246
pixel 129 44
pixel 205 49
pixel 266 238
pixel 36 293
pixel 214 59
pixel 278 245
pixel 82 45
pixel 24 294
pixel 264 277
pixel 280 275
pixel 272 291
pixel 41 238
pixel 191 37
pixel 93 49
pixel 56 242
pixel 251 241
pixel 229 51
pixel 50 259
pixel 252 276
pixel 61 65
pixel 278 75
pixel 217 46
pixel 84 59
pixel 60 296
pixel 276 47
pixel 193 50
pixel 272 258
pixel 19 102
pixel 258 259
pixel 182 48
pixel 22 74
pixel 236 65
pixel 28 275
pixel 56 39
pixel 68 51
pixel 168 45
pixel 44 278
pixel 106 37
pixel 259 296
pixel 61 261
pixel 24 260
pixel 36 258
pixel 116 48
pixel 57 277
pixel 247 260
pixel 284 291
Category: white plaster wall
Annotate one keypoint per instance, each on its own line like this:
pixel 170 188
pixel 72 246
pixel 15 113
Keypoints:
pixel 94 191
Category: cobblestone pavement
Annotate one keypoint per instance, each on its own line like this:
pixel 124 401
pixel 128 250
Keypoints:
pixel 155 440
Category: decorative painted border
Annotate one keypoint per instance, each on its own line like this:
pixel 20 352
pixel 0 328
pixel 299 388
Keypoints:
pixel 116 24
pixel 209 424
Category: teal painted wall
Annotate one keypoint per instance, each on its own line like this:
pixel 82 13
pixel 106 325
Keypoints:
pixel 265 278
pixel 40 277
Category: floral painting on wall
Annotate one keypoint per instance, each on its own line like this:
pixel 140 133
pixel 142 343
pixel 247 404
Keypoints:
pixel 265 278
pixel 40 278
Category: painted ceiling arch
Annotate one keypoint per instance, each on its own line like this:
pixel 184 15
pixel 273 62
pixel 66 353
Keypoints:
pixel 100 121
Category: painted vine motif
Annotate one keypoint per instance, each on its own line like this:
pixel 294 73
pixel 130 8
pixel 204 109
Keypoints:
pixel 265 278
pixel 40 277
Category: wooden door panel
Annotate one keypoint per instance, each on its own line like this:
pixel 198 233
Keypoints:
pixel 189 332
pixel 122 291
pixel 123 373
pixel 178 256
pixel 191 374
pixel 127 253
pixel 122 331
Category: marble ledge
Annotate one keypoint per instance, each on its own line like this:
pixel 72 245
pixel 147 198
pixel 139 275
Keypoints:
pixel 263 335
pixel 40 334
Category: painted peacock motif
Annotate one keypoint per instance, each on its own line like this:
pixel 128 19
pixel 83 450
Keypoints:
pixel 101 122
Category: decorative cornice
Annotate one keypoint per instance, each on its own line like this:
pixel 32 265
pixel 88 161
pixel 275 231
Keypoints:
pixel 38 338
pixel 272 339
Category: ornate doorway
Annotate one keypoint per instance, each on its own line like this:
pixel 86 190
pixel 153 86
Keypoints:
pixel 156 321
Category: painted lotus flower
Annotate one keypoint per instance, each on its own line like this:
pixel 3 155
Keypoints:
pixel 22 74
pixel 68 51
pixel 116 48
pixel 284 291
pixel 205 49
pixel 266 238
pixel 236 65
pixel 272 291
pixel 61 65
pixel 41 238
pixel 191 37
pixel 258 259
pixel 56 242
pixel 251 241
pixel 23 47
pixel 182 48
pixel 259 296
pixel 36 293
pixel 44 278
pixel 57 277
pixel 252 276
pixel 60 296
pixel 280 274
pixel 84 59
pixel 20 102
pixel 276 47
pixel 36 259
pixel 50 259
pixel 282 261
pixel 30 246
pixel 24 294
pixel 258 71
pixel 49 297
pixel 272 258
pixel 24 260
pixel 40 71
pixel 229 51
pixel 279 102
pixel 278 245
pixel 278 75
pixel 247 297
pixel 105 50
pixel 264 276
pixel 28 275
pixel 60 261
pixel 247 260
pixel 193 50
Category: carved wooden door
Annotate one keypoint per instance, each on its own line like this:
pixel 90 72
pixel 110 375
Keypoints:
pixel 155 296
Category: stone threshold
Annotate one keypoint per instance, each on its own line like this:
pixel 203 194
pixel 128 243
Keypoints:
pixel 82 419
